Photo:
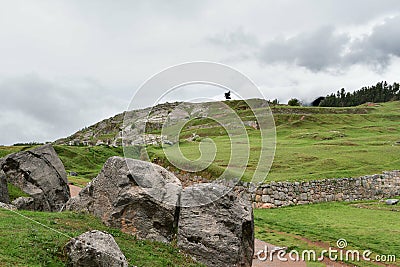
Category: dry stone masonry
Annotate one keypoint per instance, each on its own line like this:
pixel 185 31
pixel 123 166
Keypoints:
pixel 279 194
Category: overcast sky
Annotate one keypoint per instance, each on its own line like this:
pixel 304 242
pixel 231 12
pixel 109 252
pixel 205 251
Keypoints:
pixel 67 64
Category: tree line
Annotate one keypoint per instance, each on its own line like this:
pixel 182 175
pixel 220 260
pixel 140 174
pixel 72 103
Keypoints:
pixel 381 92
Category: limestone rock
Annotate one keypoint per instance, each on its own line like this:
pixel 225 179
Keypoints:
pixel 26 203
pixel 136 196
pixel 220 233
pixel 7 206
pixel 94 248
pixel 39 173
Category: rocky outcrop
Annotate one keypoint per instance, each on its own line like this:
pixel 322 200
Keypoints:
pixel 4 197
pixel 96 249
pixel 136 196
pixel 220 233
pixel 39 173
pixel 131 123
pixel 7 206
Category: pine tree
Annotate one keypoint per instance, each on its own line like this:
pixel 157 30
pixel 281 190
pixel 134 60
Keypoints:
pixel 381 92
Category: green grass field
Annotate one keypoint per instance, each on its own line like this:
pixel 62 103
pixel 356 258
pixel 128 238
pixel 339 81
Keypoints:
pixel 313 143
pixel 365 225
pixel 26 243
pixel 86 161
pixel 5 150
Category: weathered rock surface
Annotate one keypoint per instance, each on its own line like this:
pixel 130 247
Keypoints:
pixel 220 233
pixel 39 173
pixel 94 248
pixel 4 197
pixel 136 196
pixel 7 206
pixel 26 203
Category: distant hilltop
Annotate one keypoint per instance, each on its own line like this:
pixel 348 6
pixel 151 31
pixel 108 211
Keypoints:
pixel 110 131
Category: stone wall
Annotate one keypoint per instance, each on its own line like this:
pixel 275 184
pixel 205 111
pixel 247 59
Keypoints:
pixel 279 194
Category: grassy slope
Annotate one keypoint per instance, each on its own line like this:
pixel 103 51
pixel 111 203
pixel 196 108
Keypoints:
pixel 376 228
pixel 326 143
pixel 88 161
pixel 25 243
pixel 323 143
pixel 5 150
pixel 338 145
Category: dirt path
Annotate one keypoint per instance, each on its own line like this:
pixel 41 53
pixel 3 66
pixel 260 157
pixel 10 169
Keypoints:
pixel 322 245
pixel 260 245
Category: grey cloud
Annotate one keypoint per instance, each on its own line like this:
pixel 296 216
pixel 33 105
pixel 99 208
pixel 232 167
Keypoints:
pixel 242 44
pixel 378 47
pixel 315 51
pixel 33 107
pixel 238 38
pixel 324 48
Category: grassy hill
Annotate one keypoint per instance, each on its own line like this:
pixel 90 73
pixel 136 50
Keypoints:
pixel 312 143
pixel 337 145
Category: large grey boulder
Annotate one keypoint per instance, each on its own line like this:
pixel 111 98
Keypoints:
pixel 136 196
pixel 39 173
pixel 94 249
pixel 4 197
pixel 220 233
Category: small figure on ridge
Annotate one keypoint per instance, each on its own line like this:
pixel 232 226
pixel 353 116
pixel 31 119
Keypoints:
pixel 228 95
